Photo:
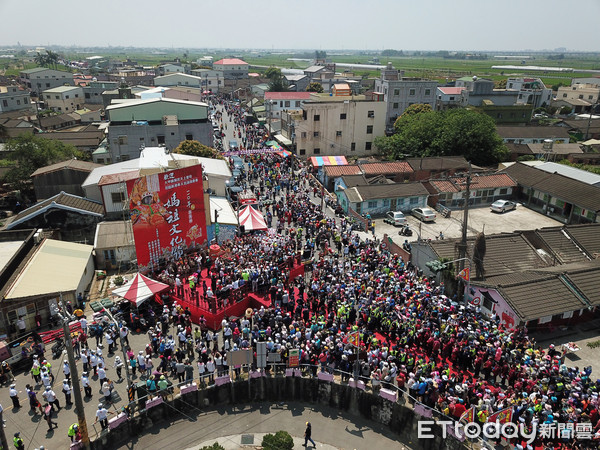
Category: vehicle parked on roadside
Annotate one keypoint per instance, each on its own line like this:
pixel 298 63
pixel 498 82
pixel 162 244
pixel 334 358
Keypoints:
pixel 424 214
pixel 501 206
pixel 396 218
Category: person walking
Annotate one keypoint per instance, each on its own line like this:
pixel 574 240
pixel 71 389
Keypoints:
pixel 33 400
pixel 48 419
pixel 308 435
pixel 50 397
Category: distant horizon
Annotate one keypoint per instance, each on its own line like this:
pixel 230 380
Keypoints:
pixel 336 51
pixel 340 25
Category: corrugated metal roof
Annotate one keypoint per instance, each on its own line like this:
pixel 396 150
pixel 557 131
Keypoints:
pixel 114 234
pixel 57 266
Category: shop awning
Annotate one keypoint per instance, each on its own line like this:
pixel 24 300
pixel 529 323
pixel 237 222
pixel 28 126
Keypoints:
pixel 318 161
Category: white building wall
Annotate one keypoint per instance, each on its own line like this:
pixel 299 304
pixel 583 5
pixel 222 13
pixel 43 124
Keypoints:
pixel 335 135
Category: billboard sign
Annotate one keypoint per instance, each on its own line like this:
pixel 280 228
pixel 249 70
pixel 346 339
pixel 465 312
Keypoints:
pixel 294 357
pixel 167 215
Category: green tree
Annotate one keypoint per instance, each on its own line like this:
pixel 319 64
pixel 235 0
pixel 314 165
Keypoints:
pixel 566 110
pixel 215 446
pixel 417 108
pixel 455 132
pixel 195 148
pixel 3 133
pixel 320 54
pixel 278 441
pixel 277 81
pixel 315 87
pixel 29 153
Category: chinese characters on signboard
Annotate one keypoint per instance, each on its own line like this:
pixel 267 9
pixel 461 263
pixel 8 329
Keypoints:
pixel 167 215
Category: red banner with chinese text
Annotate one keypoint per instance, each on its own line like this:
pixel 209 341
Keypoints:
pixel 167 214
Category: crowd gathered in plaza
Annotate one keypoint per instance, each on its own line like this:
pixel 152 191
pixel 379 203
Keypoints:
pixel 433 349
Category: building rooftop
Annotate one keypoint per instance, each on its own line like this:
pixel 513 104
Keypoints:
pixel 114 234
pixel 438 163
pixel 505 253
pixel 338 171
pixel 571 172
pixel 287 95
pixel 386 168
pixel 68 202
pixel 363 193
pixel 61 89
pixel 73 164
pixel 567 189
pixel 230 62
pixel 451 90
pixel 531 132
pixel 557 149
pixel 56 266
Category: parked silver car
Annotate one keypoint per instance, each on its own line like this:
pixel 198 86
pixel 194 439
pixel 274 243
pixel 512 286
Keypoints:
pixel 424 214
pixel 501 206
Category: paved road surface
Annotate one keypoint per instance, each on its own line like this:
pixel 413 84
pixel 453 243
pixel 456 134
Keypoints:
pixel 331 429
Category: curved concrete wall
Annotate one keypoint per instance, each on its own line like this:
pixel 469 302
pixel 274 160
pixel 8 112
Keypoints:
pixel 399 418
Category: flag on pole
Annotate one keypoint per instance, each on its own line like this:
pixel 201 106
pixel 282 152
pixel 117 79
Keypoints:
pixel 468 415
pixel 502 416
pixel 354 339
pixel 464 274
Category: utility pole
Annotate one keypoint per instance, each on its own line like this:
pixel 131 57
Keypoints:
pixel 2 433
pixel 83 430
pixel 462 246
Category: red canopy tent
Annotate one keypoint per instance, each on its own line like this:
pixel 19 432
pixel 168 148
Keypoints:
pixel 140 289
pixel 252 219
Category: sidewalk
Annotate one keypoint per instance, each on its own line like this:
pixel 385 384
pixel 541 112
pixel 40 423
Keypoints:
pixel 237 441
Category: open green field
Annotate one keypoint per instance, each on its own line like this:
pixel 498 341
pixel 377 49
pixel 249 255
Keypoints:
pixel 432 67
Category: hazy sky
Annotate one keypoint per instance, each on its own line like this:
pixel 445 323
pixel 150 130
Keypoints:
pixel 307 24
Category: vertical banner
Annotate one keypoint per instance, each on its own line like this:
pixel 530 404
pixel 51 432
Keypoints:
pixel 294 357
pixel 167 215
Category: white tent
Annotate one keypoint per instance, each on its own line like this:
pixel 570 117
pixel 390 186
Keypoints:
pixel 252 220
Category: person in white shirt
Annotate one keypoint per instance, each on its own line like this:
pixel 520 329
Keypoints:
pixel 84 325
pixel 85 381
pixel 102 416
pixel 66 388
pixel 50 397
pixel 101 374
pixel 118 364
pixel 66 370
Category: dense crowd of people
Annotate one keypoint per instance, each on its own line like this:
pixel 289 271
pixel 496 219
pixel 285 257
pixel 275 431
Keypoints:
pixel 444 354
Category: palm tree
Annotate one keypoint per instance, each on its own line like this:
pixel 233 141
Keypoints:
pixel 41 60
pixel 52 58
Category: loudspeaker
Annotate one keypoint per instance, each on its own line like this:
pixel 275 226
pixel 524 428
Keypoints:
pixel 242 229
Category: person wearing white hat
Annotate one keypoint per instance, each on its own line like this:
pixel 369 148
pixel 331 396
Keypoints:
pixel 66 388
pixel 14 396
